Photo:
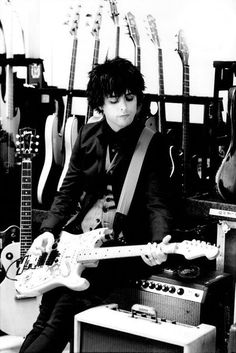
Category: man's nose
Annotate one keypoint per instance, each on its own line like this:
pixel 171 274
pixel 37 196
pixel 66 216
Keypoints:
pixel 123 103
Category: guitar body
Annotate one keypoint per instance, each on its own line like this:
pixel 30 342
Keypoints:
pixel 17 315
pixel 7 236
pixel 65 272
pixel 54 132
pixel 52 163
pixel 71 133
pixel 226 175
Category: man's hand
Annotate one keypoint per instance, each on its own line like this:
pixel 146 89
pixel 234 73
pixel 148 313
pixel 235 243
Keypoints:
pixel 43 243
pixel 156 255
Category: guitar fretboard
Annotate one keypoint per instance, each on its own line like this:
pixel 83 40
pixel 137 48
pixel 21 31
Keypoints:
pixel 110 252
pixel 26 207
pixel 71 78
pixel 185 116
pixel 162 113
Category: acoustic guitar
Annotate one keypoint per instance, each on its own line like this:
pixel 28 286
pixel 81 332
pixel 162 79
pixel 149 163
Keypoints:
pixel 64 264
pixel 226 175
pixel 49 180
pixel 17 312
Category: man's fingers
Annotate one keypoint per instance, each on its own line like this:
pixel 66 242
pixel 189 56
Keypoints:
pixel 166 239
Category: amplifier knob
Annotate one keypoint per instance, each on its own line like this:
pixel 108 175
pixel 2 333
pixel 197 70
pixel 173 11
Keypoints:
pixel 158 286
pixel 165 288
pixel 151 285
pixel 172 289
pixel 144 284
pixel 180 291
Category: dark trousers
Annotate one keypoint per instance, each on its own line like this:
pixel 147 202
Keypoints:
pixel 53 328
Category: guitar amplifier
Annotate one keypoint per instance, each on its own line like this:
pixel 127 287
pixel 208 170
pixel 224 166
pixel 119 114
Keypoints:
pixel 110 329
pixel 206 299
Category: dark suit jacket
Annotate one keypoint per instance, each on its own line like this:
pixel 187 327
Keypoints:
pixel 149 217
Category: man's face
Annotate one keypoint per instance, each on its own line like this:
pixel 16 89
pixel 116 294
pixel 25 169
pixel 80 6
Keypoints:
pixel 120 111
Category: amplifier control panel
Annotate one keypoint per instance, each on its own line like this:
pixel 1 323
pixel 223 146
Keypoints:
pixel 170 289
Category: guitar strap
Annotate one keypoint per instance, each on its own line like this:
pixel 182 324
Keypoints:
pixel 96 215
pixel 133 172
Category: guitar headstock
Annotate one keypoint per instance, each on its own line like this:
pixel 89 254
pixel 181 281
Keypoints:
pixel 26 143
pixel 97 23
pixel 133 30
pixel 73 19
pixel 152 30
pixel 193 249
pixel 182 48
pixel 114 12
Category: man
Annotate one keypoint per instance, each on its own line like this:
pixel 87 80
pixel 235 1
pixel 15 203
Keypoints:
pixel 96 173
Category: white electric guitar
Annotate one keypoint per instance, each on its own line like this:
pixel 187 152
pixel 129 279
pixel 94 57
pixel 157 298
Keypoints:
pixel 65 263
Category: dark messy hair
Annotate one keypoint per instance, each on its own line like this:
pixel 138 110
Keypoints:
pixel 114 77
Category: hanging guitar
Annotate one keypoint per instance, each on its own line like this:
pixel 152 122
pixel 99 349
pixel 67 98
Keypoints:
pixel 134 35
pixel 115 18
pixel 226 175
pixel 19 313
pixel 9 114
pixel 95 32
pixel 71 127
pixel 64 265
pixel 159 120
pixel 49 180
pixel 185 165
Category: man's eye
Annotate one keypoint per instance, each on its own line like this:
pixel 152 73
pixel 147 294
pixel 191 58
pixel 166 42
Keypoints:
pixel 113 100
pixel 129 97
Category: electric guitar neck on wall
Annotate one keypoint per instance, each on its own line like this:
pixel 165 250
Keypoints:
pixel 190 181
pixel 153 33
pixel 134 35
pixel 19 313
pixel 64 265
pixel 49 180
pixel 95 32
pixel 115 18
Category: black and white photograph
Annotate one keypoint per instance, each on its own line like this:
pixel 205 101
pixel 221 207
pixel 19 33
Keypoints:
pixel 117 176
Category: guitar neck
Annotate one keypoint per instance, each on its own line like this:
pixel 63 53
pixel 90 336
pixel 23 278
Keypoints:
pixel 117 49
pixel 71 83
pixel 162 112
pixel 115 252
pixel 185 112
pixel 96 52
pixel 95 61
pixel 161 73
pixel 111 252
pixel 26 207
pixel 138 56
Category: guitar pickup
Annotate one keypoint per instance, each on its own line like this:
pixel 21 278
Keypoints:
pixel 52 257
pixel 42 259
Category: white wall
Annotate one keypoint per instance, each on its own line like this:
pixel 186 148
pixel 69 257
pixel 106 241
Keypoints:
pixel 209 27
